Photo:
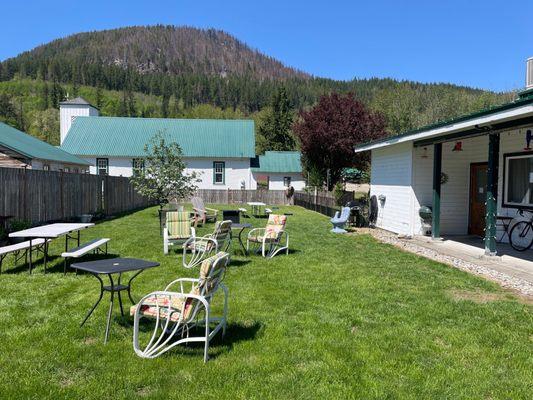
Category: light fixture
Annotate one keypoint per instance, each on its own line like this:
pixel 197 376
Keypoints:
pixel 529 136
pixel 458 146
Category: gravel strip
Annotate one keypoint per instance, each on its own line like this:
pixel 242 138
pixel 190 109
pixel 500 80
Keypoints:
pixel 520 285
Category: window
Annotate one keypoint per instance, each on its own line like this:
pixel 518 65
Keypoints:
pixel 518 180
pixel 219 172
pixel 46 167
pixel 286 181
pixel 67 169
pixel 102 166
pixel 137 165
pixel 76 170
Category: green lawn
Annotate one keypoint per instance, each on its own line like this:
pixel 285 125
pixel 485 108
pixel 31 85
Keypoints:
pixel 340 317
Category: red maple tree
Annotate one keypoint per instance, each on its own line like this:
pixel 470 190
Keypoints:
pixel 329 131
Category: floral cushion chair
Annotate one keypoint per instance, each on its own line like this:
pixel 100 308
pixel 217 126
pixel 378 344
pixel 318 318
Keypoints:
pixel 272 239
pixel 178 229
pixel 183 305
pixel 196 249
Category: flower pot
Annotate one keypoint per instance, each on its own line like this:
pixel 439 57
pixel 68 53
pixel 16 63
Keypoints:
pixel 86 218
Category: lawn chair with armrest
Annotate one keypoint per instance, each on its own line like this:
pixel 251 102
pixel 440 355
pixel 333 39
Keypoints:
pixel 203 213
pixel 272 239
pixel 181 308
pixel 197 249
pixel 178 229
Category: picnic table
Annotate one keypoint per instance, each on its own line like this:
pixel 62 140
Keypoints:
pixel 49 232
pixel 256 207
pixel 110 267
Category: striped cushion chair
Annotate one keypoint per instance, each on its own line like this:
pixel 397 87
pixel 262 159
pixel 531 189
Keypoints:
pixel 183 305
pixel 197 249
pixel 178 229
pixel 272 239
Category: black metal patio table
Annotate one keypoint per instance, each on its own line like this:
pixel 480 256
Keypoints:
pixel 110 267
pixel 242 227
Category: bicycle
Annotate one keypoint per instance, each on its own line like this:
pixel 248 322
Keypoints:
pixel 521 234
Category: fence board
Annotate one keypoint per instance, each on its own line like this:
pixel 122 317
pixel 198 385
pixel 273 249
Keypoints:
pixel 322 202
pixel 39 196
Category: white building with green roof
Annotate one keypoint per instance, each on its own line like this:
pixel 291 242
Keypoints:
pixel 20 150
pixel 279 170
pixel 475 172
pixel 221 152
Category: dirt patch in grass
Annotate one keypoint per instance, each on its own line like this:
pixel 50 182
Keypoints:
pixel 485 297
pixel 143 391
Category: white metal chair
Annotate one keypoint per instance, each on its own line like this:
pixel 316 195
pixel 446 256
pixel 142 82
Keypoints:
pixel 197 249
pixel 178 229
pixel 272 239
pixel 178 310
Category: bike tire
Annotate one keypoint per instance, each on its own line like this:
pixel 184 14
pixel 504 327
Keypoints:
pixel 521 236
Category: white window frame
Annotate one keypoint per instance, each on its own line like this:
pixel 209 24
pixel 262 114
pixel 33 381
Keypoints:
pixel 506 202
pixel 103 167
pixel 46 167
pixel 137 163
pixel 219 168
pixel 287 180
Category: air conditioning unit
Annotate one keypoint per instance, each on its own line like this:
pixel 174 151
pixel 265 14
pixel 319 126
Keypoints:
pixel 529 73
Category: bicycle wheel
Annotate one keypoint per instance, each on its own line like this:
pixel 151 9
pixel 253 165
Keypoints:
pixel 521 236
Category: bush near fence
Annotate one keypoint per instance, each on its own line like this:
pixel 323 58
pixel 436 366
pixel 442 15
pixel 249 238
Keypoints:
pixel 42 196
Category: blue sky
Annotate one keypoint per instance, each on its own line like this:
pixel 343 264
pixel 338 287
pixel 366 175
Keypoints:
pixel 470 42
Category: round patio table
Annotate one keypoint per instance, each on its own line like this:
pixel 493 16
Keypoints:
pixel 241 228
pixel 110 267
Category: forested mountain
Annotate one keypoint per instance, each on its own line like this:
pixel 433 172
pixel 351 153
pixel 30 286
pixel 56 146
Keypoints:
pixel 166 71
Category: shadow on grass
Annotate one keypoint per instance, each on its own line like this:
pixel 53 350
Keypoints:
pixel 235 333
pixel 238 263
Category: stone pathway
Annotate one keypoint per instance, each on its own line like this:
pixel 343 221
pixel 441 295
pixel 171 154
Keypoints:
pixel 496 271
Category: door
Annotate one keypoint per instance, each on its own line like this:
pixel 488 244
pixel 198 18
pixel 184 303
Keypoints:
pixel 478 197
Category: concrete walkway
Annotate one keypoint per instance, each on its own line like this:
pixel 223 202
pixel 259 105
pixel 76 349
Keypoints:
pixel 472 249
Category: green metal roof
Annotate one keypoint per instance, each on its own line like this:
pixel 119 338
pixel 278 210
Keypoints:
pixel 279 161
pixel 31 147
pixel 525 98
pixel 126 137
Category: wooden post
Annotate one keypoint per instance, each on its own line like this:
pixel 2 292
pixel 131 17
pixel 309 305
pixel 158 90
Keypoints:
pixel 437 170
pixel 492 194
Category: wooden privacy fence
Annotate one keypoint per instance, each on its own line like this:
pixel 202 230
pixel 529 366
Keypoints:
pixel 39 196
pixel 322 202
pixel 224 196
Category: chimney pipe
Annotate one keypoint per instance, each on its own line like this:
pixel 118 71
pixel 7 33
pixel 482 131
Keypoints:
pixel 529 73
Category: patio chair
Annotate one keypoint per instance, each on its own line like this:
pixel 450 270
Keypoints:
pixel 269 240
pixel 178 229
pixel 185 304
pixel 203 213
pixel 340 219
pixel 197 249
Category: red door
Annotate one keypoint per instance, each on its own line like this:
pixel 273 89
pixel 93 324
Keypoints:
pixel 478 197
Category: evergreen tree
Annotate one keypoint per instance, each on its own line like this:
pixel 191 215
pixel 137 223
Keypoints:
pixel 275 129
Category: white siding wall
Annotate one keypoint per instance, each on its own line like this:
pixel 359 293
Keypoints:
pixel 276 180
pixel 54 166
pixel 455 193
pixel 69 111
pixel 235 171
pixel 391 176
